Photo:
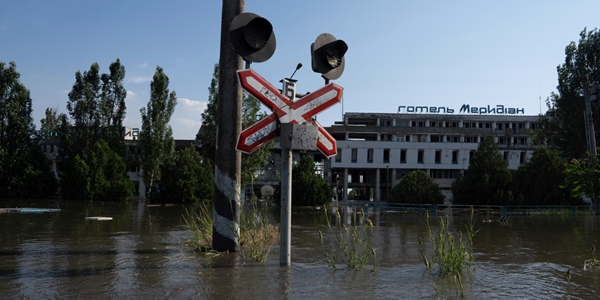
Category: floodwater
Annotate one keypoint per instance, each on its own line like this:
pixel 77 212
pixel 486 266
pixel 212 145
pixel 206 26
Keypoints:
pixel 140 254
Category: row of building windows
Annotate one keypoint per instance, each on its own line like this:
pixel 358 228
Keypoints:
pixel 455 124
pixel 420 156
pixel 435 138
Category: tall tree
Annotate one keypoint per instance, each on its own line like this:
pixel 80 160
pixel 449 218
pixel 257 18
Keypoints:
pixel 308 187
pixel 50 122
pixel 206 138
pixel 156 137
pixel 96 108
pixel 563 127
pixel 24 172
pixel 112 106
pixel 417 187
pixel 487 179
pixel 188 178
pixel 538 181
pixel 583 178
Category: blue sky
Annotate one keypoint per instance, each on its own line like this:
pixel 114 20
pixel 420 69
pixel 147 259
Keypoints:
pixel 433 53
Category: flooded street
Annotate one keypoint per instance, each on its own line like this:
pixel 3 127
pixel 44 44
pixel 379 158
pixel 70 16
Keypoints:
pixel 140 254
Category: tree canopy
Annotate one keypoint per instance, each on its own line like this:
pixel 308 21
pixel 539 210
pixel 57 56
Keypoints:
pixel 24 171
pixel 538 182
pixel 563 126
pixel 156 142
pixel 418 188
pixel 487 179
pixel 308 187
pixel 206 138
pixel 96 108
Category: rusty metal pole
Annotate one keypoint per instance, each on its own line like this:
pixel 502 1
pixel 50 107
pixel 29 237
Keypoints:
pixel 226 216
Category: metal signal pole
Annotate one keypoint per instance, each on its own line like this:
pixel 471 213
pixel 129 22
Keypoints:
pixel 228 161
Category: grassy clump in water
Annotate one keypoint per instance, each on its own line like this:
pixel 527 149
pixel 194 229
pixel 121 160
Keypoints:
pixel 592 262
pixel 353 244
pixel 200 225
pixel 256 234
pixel 255 238
pixel 452 252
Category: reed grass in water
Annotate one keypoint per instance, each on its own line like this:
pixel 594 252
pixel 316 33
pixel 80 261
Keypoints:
pixel 255 238
pixel 353 245
pixel 451 252
pixel 256 234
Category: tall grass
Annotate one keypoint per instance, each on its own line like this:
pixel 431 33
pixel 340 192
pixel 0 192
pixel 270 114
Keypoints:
pixel 256 234
pixel 255 238
pixel 451 252
pixel 353 245
pixel 200 225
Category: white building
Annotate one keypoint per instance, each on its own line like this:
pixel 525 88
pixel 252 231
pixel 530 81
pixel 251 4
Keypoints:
pixel 376 149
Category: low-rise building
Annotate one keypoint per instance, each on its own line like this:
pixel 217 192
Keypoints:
pixel 375 150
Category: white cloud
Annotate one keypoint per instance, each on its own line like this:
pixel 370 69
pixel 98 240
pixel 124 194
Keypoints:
pixel 189 123
pixel 139 79
pixel 192 105
pixel 144 65
pixel 131 96
pixel 64 92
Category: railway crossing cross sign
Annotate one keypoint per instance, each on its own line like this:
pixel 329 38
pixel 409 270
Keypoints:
pixel 286 110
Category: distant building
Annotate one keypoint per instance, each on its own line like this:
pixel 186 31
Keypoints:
pixel 375 150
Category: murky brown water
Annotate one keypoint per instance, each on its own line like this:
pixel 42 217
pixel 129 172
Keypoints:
pixel 140 255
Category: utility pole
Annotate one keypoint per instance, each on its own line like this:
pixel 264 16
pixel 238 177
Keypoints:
pixel 228 161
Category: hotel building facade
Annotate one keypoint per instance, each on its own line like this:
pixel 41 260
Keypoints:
pixel 375 150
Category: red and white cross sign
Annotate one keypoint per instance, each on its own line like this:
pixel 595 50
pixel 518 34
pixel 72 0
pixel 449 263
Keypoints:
pixel 287 110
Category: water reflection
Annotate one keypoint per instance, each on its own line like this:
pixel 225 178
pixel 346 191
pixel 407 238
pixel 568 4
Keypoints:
pixel 140 255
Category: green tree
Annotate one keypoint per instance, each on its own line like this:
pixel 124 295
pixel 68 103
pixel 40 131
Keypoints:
pixel 24 171
pixel 308 187
pixel 538 181
pixel 206 138
pixel 50 122
pixel 107 174
pixel 156 137
pixel 188 178
pixel 96 108
pixel 584 178
pixel 417 187
pixel 102 177
pixel 487 179
pixel 563 126
pixel 112 106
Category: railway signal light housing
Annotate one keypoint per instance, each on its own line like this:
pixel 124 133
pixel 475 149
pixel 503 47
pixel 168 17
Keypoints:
pixel 327 54
pixel 252 37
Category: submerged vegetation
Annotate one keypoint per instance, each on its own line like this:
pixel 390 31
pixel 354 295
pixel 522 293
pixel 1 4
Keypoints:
pixel 452 252
pixel 255 238
pixel 353 245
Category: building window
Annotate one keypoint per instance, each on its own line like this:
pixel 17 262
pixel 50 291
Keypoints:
pixel 400 138
pixel 455 157
pixel 470 139
pixel 505 155
pixel 354 155
pixel 403 156
pixel 420 156
pixel 451 124
pixel 471 154
pixel 338 156
pixel 369 155
pixel 386 156
pixel 437 138
pixel 401 123
pixel 453 139
pixel 438 156
pixel 522 158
